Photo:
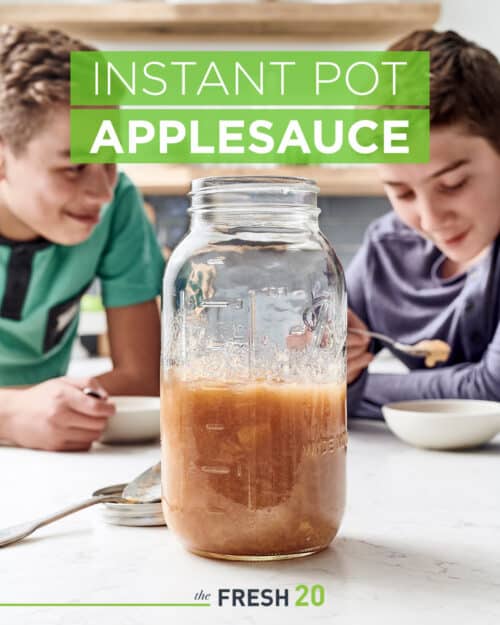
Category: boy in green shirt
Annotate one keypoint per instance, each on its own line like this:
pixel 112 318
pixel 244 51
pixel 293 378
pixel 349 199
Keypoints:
pixel 61 226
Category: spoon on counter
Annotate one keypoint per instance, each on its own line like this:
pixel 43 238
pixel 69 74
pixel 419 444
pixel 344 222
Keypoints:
pixel 433 350
pixel 145 488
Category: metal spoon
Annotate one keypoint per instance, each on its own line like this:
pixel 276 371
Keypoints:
pixel 413 350
pixel 145 488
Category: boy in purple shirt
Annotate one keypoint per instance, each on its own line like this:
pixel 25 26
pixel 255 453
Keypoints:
pixel 431 269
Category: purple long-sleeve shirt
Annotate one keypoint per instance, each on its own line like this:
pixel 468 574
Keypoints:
pixel 394 286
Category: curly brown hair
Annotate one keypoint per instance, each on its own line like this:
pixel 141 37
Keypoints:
pixel 464 82
pixel 34 76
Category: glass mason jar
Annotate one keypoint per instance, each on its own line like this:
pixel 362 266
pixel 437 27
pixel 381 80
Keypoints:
pixel 254 374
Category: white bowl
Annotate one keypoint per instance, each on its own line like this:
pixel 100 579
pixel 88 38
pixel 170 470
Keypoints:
pixel 137 419
pixel 444 423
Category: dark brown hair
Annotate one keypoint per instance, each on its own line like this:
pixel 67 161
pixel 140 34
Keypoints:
pixel 464 82
pixel 34 76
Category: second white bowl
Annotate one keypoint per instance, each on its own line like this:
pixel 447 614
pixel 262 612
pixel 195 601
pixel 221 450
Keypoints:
pixel 444 423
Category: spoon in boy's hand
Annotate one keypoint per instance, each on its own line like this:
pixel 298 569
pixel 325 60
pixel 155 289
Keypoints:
pixel 433 350
pixel 91 393
pixel 145 488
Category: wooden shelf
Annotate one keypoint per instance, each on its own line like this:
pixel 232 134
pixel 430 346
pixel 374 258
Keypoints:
pixel 156 20
pixel 161 179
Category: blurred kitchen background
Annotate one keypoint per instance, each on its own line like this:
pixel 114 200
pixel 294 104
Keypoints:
pixel 351 197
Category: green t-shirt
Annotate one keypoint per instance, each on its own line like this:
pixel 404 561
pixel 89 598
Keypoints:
pixel 41 284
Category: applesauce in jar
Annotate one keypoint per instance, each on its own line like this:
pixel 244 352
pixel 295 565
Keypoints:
pixel 253 387
pixel 255 470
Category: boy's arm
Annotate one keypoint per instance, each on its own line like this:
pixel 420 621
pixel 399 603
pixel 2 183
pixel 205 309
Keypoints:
pixel 478 380
pixel 134 336
pixel 355 279
pixel 130 271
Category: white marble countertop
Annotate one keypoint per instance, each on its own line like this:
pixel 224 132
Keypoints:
pixel 420 543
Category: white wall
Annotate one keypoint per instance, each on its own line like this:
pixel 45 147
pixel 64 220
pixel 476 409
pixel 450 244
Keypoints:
pixel 478 20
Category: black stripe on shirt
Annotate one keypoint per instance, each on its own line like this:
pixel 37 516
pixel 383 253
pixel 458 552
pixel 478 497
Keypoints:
pixel 18 276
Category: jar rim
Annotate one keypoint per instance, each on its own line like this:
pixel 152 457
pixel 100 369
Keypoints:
pixel 230 184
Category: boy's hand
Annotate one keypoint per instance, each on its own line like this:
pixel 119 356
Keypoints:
pixel 56 415
pixel 358 356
